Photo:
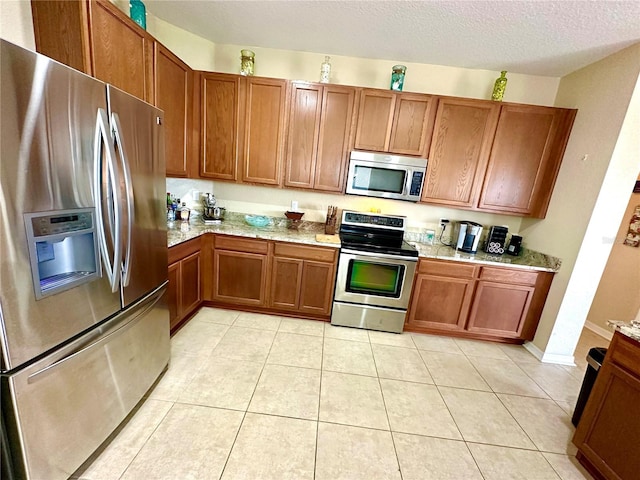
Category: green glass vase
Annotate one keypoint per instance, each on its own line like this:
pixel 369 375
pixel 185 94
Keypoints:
pixel 499 87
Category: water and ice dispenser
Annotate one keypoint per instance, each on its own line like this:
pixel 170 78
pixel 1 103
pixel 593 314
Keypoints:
pixel 63 248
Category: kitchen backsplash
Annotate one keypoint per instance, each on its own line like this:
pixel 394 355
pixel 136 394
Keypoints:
pixel 274 202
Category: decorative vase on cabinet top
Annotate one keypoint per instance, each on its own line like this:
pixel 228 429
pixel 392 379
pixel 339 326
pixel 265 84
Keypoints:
pixel 499 87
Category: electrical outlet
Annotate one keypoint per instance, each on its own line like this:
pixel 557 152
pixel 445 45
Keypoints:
pixel 444 222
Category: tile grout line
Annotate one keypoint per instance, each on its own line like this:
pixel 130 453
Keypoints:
pixel 386 411
pixel 315 455
pixel 244 416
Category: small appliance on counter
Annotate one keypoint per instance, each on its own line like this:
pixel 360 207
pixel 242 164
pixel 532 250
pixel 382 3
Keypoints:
pixel 468 236
pixel 496 240
pixel 211 213
pixel 515 245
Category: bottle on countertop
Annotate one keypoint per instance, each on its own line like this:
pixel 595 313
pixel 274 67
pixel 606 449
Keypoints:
pixel 185 212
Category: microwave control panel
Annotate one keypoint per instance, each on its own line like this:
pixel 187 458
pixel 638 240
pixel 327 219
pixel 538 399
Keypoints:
pixel 416 183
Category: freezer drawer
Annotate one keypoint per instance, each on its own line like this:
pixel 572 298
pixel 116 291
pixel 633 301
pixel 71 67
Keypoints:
pixel 63 407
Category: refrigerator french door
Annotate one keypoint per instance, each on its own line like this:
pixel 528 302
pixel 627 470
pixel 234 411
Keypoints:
pixel 84 326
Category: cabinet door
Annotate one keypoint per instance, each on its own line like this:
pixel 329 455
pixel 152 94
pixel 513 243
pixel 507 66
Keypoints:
pixel 173 294
pixel 286 278
pixel 411 125
pixel 122 52
pixel 336 127
pixel 190 296
pixel 302 143
pixel 316 290
pixel 240 277
pixel 264 130
pixel 220 116
pixel 50 19
pixel 525 158
pixel 174 95
pixel 459 152
pixel 500 309
pixel 440 303
pixel 607 434
pixel 375 117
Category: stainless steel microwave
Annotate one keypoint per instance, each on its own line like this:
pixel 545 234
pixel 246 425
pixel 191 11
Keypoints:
pixel 386 176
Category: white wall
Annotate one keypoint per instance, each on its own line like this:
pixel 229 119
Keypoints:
pixel 364 72
pixel 618 294
pixel 590 195
pixel 16 23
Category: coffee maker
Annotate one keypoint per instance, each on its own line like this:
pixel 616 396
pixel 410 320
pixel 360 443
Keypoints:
pixel 468 236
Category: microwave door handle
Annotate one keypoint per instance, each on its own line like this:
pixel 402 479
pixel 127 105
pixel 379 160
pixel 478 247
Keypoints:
pixel 407 183
pixel 117 132
pixel 102 138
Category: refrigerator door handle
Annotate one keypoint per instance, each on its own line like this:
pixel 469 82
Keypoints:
pixel 128 183
pixel 102 138
pixel 104 338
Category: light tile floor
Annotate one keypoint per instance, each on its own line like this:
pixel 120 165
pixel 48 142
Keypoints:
pixel 256 397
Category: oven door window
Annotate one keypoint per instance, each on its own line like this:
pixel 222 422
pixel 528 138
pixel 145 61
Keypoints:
pixel 379 179
pixel 370 278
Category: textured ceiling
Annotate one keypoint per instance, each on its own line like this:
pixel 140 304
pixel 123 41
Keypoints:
pixel 551 38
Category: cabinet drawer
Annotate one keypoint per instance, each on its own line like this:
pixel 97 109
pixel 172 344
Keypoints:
pixel 447 269
pixel 626 353
pixel 239 244
pixel 304 252
pixel 183 250
pixel 505 275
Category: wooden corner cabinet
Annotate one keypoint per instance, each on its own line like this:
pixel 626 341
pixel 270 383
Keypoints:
pixel 184 291
pixel 174 95
pixel 608 434
pixel 319 136
pixel 394 122
pixel 474 301
pixel 525 158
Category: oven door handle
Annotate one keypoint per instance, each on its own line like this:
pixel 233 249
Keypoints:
pixel 378 255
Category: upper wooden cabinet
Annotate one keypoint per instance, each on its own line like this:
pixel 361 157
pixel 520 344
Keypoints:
pixel 264 124
pixel 97 38
pixel 460 147
pixel 320 125
pixel 220 116
pixel 174 95
pixel 394 122
pixel 525 158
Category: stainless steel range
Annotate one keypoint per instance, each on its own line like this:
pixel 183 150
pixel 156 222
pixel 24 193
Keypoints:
pixel 375 272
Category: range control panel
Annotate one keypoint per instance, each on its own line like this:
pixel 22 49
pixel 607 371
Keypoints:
pixel 393 222
pixel 69 221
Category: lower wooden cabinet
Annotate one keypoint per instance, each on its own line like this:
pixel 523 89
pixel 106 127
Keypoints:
pixel 274 276
pixel 442 295
pixel 240 270
pixel 184 272
pixel 608 433
pixel 474 301
pixel 303 278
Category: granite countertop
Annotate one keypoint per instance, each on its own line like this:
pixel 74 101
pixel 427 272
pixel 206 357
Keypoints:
pixel 279 228
pixel 235 224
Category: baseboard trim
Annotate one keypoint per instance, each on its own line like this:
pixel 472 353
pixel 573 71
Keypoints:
pixel 548 357
pixel 603 332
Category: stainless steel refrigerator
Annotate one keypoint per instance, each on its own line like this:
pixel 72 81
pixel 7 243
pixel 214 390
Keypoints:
pixel 84 325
